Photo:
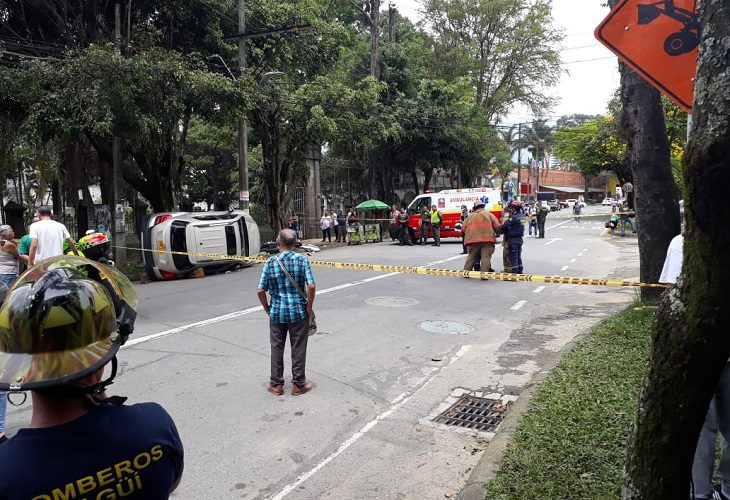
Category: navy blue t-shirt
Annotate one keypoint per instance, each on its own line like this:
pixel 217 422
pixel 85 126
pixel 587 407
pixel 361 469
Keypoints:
pixel 111 452
pixel 514 228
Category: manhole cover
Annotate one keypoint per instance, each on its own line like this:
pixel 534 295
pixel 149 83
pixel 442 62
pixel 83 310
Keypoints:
pixel 450 327
pixel 391 301
pixel 471 412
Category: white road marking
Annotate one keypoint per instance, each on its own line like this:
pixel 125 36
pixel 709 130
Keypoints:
pixel 368 427
pixel 558 224
pixel 580 254
pixel 572 260
pixel 564 268
pixel 538 289
pixel 518 305
pixel 237 314
pixel 553 240
pixel 585 249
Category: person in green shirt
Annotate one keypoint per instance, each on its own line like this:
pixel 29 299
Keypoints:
pixel 24 246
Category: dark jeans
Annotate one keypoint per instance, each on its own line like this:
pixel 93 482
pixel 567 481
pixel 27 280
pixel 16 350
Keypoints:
pixel 337 233
pixel 515 256
pixel 298 336
pixel 533 225
pixel 326 234
pixel 541 227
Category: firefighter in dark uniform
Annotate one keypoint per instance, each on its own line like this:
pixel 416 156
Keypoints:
pixel 513 230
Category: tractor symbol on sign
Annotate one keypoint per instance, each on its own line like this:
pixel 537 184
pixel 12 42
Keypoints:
pixel 684 40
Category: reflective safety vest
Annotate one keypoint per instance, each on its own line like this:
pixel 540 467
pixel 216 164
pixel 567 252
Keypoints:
pixel 436 217
pixel 480 227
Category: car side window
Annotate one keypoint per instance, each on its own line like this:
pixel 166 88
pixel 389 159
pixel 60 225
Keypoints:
pixel 231 240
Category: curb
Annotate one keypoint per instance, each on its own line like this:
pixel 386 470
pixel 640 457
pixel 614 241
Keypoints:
pixel 490 461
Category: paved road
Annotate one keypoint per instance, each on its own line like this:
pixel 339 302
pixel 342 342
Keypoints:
pixel 201 349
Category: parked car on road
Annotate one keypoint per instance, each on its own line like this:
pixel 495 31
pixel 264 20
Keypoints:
pixel 608 201
pixel 220 233
pixel 571 202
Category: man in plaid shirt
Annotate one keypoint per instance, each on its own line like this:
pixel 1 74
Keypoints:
pixel 288 311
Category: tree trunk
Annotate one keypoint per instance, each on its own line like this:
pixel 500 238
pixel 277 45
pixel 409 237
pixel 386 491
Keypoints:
pixel 56 197
pixel 656 193
pixel 427 176
pixel 375 39
pixel 691 344
pixel 414 176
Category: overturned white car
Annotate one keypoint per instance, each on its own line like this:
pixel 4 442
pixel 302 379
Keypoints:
pixel 220 233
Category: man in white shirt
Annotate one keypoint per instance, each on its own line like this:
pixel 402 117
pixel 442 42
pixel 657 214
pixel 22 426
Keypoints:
pixel 673 263
pixel 47 237
pixel 718 416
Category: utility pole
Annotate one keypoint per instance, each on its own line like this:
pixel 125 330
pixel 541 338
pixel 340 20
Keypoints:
pixel 519 161
pixel 243 194
pixel 391 22
pixel 117 208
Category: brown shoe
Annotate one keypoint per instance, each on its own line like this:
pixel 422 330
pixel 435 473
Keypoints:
pixel 297 390
pixel 277 390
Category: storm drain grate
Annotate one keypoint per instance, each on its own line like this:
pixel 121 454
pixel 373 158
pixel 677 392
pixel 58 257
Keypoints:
pixel 476 413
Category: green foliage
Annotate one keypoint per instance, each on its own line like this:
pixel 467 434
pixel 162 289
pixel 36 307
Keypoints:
pixel 211 164
pixel 572 441
pixel 506 47
pixel 594 146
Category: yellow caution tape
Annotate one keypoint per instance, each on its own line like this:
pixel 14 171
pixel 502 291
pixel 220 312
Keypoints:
pixel 454 273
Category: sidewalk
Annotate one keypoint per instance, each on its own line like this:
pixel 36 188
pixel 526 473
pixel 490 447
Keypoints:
pixel 566 434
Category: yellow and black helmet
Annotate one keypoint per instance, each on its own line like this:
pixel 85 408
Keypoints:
pixel 62 320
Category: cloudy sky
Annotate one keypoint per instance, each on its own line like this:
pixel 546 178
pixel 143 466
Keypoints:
pixel 590 72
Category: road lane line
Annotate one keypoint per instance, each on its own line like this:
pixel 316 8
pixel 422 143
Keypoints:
pixel 564 268
pixel 237 314
pixel 580 254
pixel 572 260
pixel 585 249
pixel 538 289
pixel 559 224
pixel 553 240
pixel 368 427
pixel 518 305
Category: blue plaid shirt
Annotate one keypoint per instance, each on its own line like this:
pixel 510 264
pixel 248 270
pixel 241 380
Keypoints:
pixel 287 306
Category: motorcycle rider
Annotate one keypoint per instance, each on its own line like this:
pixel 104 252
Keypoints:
pixel 61 324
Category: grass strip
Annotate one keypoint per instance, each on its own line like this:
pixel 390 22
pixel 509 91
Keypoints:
pixel 571 443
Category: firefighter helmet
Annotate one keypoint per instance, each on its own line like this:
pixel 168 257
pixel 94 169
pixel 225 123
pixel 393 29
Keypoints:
pixel 63 319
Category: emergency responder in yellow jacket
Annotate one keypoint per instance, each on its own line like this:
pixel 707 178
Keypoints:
pixel 480 232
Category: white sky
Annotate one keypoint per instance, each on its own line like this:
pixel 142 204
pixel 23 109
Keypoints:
pixel 585 86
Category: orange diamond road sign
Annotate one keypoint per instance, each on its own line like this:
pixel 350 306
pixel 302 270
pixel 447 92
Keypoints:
pixel 658 40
